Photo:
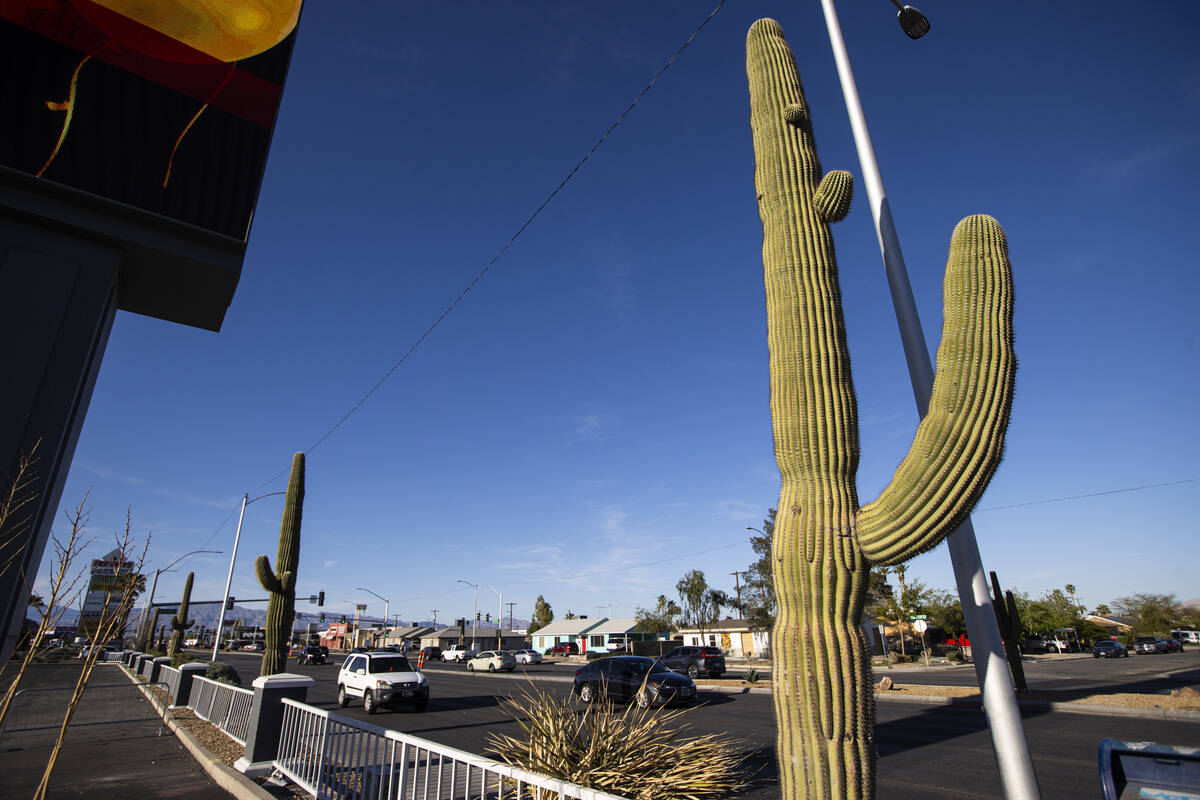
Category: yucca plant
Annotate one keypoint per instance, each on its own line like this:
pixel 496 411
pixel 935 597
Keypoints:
pixel 640 753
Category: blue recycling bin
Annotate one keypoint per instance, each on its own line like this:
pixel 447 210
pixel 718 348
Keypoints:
pixel 1149 770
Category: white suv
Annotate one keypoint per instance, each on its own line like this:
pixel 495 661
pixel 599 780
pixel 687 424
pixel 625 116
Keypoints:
pixel 457 652
pixel 381 678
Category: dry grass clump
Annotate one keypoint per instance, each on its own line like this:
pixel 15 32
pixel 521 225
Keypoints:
pixel 637 753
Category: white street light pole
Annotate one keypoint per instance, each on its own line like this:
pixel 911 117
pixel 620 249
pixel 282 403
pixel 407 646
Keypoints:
pixel 387 604
pixel 999 700
pixel 154 585
pixel 499 615
pixel 232 560
pixel 474 609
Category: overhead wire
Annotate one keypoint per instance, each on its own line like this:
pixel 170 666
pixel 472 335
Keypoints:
pixel 500 253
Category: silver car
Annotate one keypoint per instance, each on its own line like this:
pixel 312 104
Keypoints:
pixel 527 656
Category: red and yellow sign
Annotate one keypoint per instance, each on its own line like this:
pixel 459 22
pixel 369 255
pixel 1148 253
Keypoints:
pixel 167 106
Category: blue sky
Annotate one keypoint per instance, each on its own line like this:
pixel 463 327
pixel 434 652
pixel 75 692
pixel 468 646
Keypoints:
pixel 591 421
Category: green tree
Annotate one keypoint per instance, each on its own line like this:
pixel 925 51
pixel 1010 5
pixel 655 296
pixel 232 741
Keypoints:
pixel 758 592
pixel 663 618
pixel 570 614
pixel 944 611
pixel 543 615
pixel 1150 614
pixel 894 607
pixel 699 604
pixel 1102 610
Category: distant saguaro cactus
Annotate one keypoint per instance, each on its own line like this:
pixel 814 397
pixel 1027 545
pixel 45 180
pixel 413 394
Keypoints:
pixel 1008 618
pixel 281 583
pixel 824 542
pixel 146 639
pixel 180 622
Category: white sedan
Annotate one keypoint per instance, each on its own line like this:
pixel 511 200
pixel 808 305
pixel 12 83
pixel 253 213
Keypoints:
pixel 527 656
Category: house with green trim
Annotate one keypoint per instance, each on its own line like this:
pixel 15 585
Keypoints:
pixel 566 630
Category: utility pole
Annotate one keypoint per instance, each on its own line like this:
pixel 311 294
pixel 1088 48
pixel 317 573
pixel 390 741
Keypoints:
pixel 738 588
pixel 434 612
pixel 510 617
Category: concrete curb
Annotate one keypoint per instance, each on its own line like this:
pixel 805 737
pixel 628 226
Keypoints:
pixel 225 776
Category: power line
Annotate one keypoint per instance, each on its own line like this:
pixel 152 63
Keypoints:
pixel 529 221
pixel 1090 494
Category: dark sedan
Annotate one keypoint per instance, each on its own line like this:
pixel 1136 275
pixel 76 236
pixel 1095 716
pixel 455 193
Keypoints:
pixel 1107 648
pixel 632 679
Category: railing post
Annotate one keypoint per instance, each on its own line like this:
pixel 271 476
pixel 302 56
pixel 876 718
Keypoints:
pixel 141 662
pixel 266 719
pixel 186 673
pixel 156 668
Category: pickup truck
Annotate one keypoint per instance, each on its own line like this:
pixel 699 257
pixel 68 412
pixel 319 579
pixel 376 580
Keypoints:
pixel 457 652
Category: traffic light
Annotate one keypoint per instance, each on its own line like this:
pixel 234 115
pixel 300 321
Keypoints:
pixel 321 599
pixel 229 603
pixel 322 616
pixel 477 616
pixel 487 617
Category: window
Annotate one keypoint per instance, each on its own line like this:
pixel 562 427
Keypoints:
pixel 558 640
pixel 597 641
pixel 712 640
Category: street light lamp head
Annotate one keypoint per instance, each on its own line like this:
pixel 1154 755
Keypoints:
pixel 913 22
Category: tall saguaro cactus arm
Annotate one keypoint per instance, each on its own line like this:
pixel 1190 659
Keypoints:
pixel 180 622
pixel 281 582
pixel 824 543
pixel 960 441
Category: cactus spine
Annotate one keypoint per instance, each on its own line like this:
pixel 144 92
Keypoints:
pixel 825 542
pixel 180 622
pixel 281 583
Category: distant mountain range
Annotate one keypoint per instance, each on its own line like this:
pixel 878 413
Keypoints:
pixel 207 616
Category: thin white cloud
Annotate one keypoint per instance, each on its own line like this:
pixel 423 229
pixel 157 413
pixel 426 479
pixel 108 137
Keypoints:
pixel 738 510
pixel 1149 157
pixel 112 476
pixel 328 564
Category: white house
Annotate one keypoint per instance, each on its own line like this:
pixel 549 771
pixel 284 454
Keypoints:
pixel 566 630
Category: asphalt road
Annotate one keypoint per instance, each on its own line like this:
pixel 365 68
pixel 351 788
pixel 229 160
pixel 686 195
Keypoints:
pixel 940 751
pixel 1149 674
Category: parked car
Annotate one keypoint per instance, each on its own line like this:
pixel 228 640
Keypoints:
pixel 310 655
pixel 1174 646
pixel 1109 648
pixel 695 660
pixel 632 679
pixel 527 656
pixel 255 647
pixel 1034 645
pixel 563 649
pixel 1150 644
pixel 430 652
pixel 492 660
pixel 457 652
pixel 381 679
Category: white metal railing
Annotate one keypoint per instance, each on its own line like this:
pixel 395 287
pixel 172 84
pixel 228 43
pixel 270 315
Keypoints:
pixel 331 756
pixel 170 676
pixel 223 705
pixel 111 656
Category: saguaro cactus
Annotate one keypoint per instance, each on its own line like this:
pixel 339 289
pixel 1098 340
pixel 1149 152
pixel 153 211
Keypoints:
pixel 180 622
pixel 825 542
pixel 281 583
pixel 1009 620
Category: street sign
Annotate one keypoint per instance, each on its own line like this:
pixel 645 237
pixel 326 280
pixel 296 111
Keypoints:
pixel 918 616
pixel 920 626
pixel 361 607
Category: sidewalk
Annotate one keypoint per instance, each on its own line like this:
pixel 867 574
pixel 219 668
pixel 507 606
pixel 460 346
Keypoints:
pixel 113 748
